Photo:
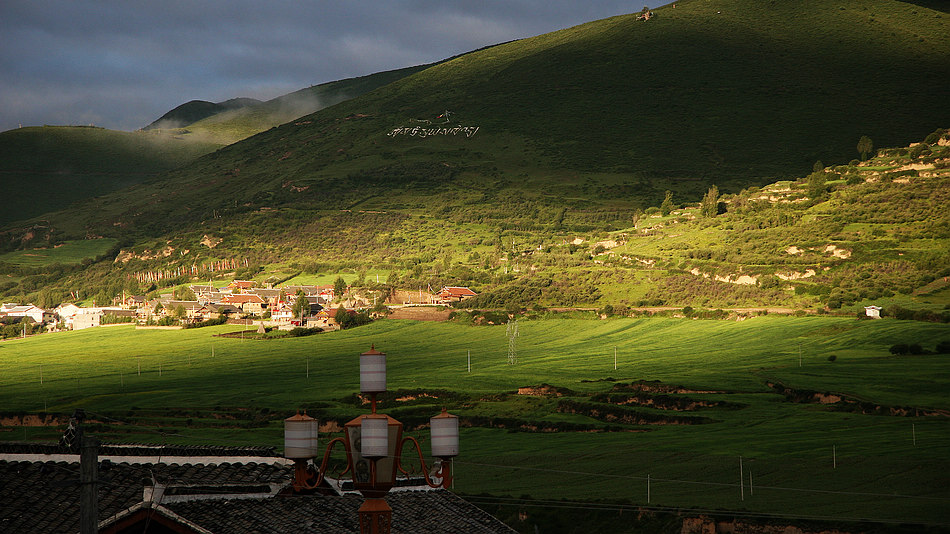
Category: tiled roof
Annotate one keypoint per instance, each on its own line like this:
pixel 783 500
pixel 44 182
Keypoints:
pixel 246 297
pixel 456 292
pixel 416 512
pixel 264 293
pixel 219 498
pixel 39 496
pixel 141 450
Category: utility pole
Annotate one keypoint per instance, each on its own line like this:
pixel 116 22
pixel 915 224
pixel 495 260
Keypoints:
pixel 741 481
pixel 88 480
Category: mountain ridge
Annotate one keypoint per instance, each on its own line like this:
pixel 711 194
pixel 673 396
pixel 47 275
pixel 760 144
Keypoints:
pixel 195 110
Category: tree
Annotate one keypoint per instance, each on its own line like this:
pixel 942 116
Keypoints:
pixel 339 287
pixel 865 146
pixel 301 305
pixel 184 293
pixel 180 312
pixel 667 206
pixel 818 166
pixel 709 207
pixel 342 317
pixel 637 215
pixel 816 185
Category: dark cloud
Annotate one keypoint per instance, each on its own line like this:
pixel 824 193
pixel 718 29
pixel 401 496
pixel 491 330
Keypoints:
pixel 121 64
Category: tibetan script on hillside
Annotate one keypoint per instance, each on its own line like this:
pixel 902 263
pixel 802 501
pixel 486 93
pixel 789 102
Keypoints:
pixel 437 126
pixel 419 131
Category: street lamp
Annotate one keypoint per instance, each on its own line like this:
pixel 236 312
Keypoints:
pixel 374 445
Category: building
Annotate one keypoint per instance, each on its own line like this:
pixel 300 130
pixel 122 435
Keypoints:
pixel 271 297
pixel 282 314
pixel 247 302
pixel 192 308
pixel 216 311
pixel 206 490
pixel 873 311
pixel 451 294
pixel 238 286
pixel 34 313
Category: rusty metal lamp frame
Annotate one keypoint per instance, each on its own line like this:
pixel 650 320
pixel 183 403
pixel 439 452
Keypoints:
pixel 306 478
pixel 303 472
pixel 374 446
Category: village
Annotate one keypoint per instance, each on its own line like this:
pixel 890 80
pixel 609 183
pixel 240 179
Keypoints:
pixel 239 302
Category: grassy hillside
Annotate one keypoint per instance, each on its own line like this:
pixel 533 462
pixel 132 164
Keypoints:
pixel 47 169
pixel 809 460
pixel 606 114
pixel 50 167
pixel 578 132
pixel 838 239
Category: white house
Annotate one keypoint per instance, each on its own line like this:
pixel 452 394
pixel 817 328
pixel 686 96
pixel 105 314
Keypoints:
pixel 85 318
pixel 282 314
pixel 873 311
pixel 28 310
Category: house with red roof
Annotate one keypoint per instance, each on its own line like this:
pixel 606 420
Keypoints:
pixel 449 294
pixel 248 303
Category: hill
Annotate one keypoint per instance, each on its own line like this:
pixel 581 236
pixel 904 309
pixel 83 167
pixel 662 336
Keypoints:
pixel 196 110
pixel 48 168
pixel 553 146
pixel 842 237
pixel 75 163
pixel 607 114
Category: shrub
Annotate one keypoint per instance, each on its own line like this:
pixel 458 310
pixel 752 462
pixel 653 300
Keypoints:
pixel 301 331
pixel 934 136
pixel 832 358
pixel 210 322
pixel 899 349
pixel 943 347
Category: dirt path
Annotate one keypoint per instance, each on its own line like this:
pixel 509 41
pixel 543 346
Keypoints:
pixel 420 313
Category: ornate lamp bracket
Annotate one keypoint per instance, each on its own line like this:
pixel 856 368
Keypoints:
pixel 443 474
pixel 305 478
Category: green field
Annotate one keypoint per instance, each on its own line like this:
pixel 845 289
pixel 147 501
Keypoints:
pixel 806 460
pixel 67 253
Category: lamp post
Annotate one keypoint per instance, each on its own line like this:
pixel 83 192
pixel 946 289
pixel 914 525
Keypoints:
pixel 373 444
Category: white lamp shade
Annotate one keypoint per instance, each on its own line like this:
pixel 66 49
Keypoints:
pixel 374 436
pixel 300 437
pixel 373 372
pixel 445 435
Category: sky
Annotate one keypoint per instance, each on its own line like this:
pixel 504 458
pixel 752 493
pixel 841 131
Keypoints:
pixel 122 64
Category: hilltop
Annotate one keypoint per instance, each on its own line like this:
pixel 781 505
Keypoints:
pixel 196 110
pixel 77 162
pixel 237 119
